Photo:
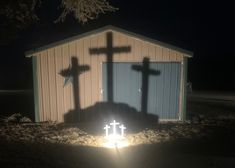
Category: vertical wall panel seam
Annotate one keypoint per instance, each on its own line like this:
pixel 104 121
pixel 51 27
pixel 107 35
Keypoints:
pixel 42 89
pixel 69 92
pixel 90 76
pixel 55 86
pixel 35 84
pixel 71 88
pixel 85 75
pixel 76 56
pixel 62 90
pixel 156 101
pixel 56 83
pixel 84 78
pixel 48 83
pixel 178 86
pixel 181 91
pixel 155 52
pixel 98 69
pixel 184 88
pixel 163 91
pixel 97 72
pixel 177 89
pixel 63 94
pixel 169 112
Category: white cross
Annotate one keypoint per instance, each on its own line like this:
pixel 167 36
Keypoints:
pixel 114 123
pixel 122 129
pixel 106 130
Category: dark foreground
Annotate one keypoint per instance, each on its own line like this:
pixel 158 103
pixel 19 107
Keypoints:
pixel 190 148
pixel 181 154
pixel 207 142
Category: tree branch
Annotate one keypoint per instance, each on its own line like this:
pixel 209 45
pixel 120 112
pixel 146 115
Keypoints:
pixel 84 10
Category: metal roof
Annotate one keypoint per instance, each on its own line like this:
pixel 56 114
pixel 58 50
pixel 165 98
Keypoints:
pixel 105 28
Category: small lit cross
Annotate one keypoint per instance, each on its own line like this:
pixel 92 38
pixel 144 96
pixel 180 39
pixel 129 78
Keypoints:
pixel 106 130
pixel 114 123
pixel 122 127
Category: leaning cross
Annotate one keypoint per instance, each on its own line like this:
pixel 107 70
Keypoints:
pixel 106 130
pixel 122 127
pixel 146 71
pixel 109 51
pixel 114 123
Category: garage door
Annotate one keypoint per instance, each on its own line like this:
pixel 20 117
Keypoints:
pixel 163 89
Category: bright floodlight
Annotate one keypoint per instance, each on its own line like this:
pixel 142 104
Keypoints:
pixel 115 139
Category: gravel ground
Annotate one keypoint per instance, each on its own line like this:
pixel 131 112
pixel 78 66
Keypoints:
pixel 71 134
pixel 161 145
pixel 207 141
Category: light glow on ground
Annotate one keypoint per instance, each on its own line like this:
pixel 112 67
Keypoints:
pixel 115 141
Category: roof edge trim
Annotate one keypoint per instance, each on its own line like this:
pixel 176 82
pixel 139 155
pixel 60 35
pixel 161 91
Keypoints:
pixel 186 53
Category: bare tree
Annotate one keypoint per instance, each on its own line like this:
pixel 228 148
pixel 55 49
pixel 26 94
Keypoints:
pixel 19 13
pixel 23 12
pixel 16 15
pixel 84 10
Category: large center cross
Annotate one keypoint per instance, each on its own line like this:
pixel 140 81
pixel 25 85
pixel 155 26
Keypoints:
pixel 109 51
pixel 146 71
pixel 114 124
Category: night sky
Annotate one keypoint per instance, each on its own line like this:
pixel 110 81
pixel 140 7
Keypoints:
pixel 201 27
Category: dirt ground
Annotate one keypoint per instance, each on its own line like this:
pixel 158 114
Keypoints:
pixel 206 140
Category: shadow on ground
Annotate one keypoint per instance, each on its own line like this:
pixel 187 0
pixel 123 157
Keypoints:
pixel 95 117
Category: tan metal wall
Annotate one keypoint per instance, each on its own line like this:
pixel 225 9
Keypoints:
pixel 56 100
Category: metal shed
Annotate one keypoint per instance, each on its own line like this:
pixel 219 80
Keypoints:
pixel 143 73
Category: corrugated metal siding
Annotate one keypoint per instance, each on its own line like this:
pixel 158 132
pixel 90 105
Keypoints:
pixel 59 84
pixel 163 89
pixel 56 100
pixel 126 84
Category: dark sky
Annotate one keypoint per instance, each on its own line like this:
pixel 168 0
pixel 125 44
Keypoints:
pixel 204 28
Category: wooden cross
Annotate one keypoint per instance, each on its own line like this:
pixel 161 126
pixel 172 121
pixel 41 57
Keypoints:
pixel 71 74
pixel 109 51
pixel 145 82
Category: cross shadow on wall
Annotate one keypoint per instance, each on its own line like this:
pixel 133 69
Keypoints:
pixel 106 111
pixel 71 75
pixel 123 112
pixel 109 51
pixel 145 73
